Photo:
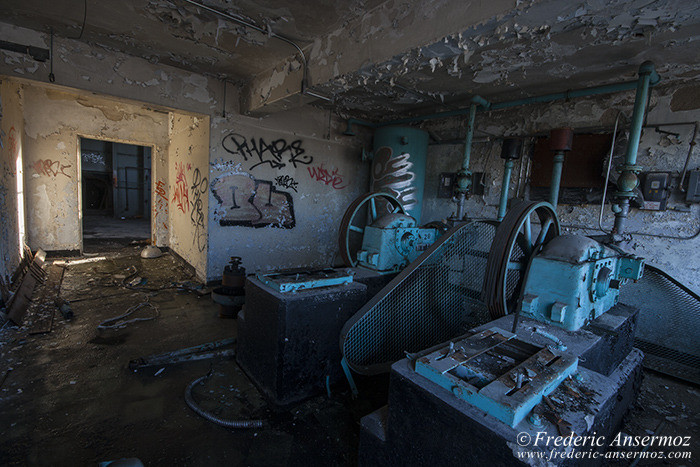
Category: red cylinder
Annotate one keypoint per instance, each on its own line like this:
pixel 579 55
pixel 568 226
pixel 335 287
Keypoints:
pixel 561 139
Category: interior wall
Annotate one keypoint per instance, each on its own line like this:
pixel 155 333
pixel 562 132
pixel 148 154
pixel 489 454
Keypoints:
pixel 55 119
pixel 657 152
pixel 293 174
pixel 325 186
pixel 188 172
pixel 11 194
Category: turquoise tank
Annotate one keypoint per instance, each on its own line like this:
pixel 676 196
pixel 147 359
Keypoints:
pixel 398 165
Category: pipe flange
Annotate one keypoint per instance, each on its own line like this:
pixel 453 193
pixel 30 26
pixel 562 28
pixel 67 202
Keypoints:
pixel 629 168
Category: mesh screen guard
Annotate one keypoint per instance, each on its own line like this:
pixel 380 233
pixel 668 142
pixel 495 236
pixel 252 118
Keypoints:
pixel 436 298
pixel 668 327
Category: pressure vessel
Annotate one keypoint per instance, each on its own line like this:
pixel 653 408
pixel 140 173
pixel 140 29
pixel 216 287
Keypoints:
pixel 398 165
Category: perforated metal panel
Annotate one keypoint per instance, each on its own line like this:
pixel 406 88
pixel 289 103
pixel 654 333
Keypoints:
pixel 668 329
pixel 436 298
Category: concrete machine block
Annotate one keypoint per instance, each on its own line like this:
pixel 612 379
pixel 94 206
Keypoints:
pixel 427 424
pixel 288 342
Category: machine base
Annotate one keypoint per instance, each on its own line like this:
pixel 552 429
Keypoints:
pixel 601 345
pixel 288 342
pixel 425 424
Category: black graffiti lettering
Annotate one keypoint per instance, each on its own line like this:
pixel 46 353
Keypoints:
pixel 285 181
pixel 233 195
pixel 200 185
pixel 256 203
pixel 277 154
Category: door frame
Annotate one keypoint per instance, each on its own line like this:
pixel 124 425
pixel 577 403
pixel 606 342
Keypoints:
pixel 80 136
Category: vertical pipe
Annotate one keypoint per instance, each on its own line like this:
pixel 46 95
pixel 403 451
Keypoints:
pixel 469 137
pixel 556 178
pixel 628 180
pixel 640 103
pixel 503 203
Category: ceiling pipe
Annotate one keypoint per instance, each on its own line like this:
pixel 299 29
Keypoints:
pixel 486 105
pixel 248 24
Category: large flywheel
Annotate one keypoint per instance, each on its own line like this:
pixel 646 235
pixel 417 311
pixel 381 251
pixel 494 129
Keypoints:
pixel 525 229
pixel 363 212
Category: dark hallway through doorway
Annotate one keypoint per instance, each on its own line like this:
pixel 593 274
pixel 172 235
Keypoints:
pixel 116 193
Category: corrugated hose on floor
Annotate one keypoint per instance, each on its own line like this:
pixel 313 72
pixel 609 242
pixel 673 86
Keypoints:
pixel 213 418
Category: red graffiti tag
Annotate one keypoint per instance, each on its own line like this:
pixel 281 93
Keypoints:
pixel 181 198
pixel 333 178
pixel 161 200
pixel 51 168
pixel 12 138
pixel 160 189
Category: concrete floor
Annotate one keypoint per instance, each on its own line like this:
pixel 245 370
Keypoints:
pixel 99 226
pixel 70 398
pixel 107 233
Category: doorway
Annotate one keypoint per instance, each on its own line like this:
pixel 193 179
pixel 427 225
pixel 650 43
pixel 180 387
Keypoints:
pixel 116 192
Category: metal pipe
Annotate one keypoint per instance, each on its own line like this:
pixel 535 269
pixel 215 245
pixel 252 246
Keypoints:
pixel 354 121
pixel 607 174
pixel 687 159
pixel 557 167
pixel 566 95
pixel 640 102
pixel 628 180
pixel 486 105
pixel 585 92
pixel 248 24
pixel 469 137
pixel 503 203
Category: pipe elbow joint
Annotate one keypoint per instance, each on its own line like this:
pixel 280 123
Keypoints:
pixel 648 68
pixel 481 101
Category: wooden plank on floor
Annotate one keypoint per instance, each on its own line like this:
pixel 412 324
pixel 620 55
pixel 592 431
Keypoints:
pixel 18 304
pixel 45 307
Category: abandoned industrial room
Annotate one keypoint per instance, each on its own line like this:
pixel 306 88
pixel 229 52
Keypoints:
pixel 349 232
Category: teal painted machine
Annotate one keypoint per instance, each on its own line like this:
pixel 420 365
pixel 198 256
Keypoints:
pixel 575 279
pixel 380 230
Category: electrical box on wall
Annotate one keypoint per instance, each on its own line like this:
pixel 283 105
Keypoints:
pixel 655 190
pixel 446 188
pixel 693 193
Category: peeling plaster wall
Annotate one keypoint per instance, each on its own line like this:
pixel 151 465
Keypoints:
pixel 54 121
pixel 657 152
pixel 110 72
pixel 188 169
pixel 11 223
pixel 291 196
pixel 332 179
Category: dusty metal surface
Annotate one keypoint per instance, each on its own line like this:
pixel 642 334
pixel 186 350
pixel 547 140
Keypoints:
pixel 498 373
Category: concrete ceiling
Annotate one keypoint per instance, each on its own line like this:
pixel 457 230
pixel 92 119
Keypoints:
pixel 378 58
pixel 177 33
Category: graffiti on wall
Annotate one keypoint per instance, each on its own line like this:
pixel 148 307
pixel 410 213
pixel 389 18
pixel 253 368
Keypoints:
pixel 94 158
pixel 330 178
pixel 200 185
pixel 394 174
pixel 181 196
pixel 287 182
pixel 277 154
pixel 51 168
pixel 12 139
pixel 5 176
pixel 246 201
pixel 161 201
